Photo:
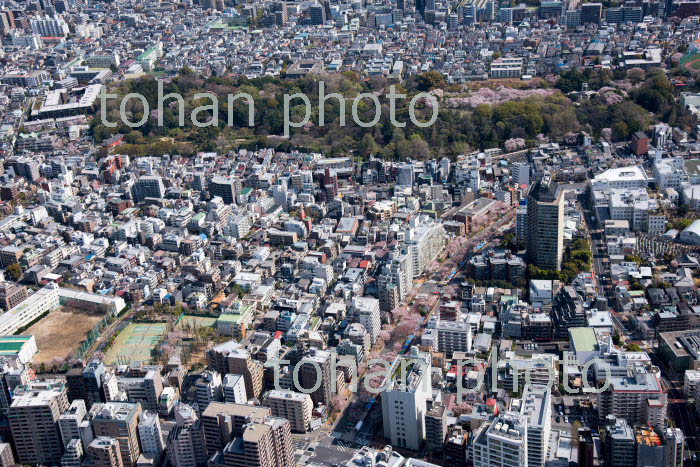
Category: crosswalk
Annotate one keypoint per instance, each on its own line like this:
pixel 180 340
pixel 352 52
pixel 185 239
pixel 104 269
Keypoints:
pixel 342 446
pixel 362 440
pixel 336 435
pixel 299 446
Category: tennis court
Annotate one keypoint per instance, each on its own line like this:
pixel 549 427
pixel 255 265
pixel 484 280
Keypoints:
pixel 135 342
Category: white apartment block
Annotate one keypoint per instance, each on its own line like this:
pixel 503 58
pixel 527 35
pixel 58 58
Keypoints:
pixel 49 27
pixel 621 177
pixel 366 310
pixel 404 400
pixel 234 389
pixel 426 239
pixel 150 434
pixel 508 67
pixel 638 208
pixel 453 336
pixel 502 442
pixel 536 406
pixel 238 227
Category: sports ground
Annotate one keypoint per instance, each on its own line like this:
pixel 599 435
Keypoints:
pixel 135 342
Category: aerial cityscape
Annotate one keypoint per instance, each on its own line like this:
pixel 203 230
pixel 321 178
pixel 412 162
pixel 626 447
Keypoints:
pixel 378 233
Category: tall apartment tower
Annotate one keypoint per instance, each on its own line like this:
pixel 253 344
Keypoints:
pixel 435 427
pixel 404 400
pixel 366 312
pixel 119 420
pixel 34 423
pixel 536 406
pixel 545 224
pixel 185 441
pixel 150 434
pixel 69 422
pixel 241 363
pixel 222 422
pixel 314 366
pixel 294 406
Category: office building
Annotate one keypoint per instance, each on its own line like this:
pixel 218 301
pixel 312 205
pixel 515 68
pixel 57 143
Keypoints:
pixel 148 186
pixel 591 13
pixel 545 224
pixel 317 14
pixel 225 188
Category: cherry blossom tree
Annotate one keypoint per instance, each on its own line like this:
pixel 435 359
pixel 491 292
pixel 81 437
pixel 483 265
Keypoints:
pixel 461 409
pixel 514 144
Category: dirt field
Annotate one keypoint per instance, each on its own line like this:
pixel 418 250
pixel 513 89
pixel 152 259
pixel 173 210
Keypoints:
pixel 61 332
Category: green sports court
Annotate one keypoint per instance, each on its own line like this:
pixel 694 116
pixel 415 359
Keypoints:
pixel 135 342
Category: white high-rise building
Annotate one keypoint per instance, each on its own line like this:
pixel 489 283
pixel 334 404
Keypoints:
pixel 366 310
pixel 425 239
pixel 502 442
pixel 454 336
pixel 395 280
pixel 536 406
pixel 69 422
pixel 208 389
pixel 150 434
pixel 49 27
pixel 234 389
pixel 404 400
